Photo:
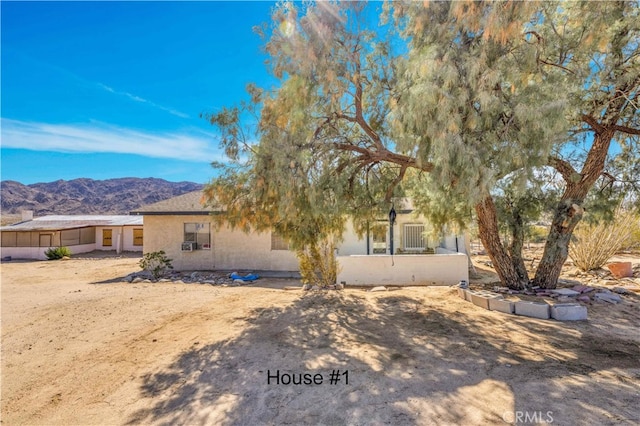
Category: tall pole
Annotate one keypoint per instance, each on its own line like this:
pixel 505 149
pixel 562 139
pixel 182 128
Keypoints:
pixel 392 220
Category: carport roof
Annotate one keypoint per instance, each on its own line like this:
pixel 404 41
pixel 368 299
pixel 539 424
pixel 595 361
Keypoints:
pixel 59 222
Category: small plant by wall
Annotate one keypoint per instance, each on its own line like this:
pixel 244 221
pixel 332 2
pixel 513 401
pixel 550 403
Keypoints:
pixel 156 262
pixel 55 253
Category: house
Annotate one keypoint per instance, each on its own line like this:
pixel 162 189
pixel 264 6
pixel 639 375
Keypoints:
pixel 30 238
pixel 186 232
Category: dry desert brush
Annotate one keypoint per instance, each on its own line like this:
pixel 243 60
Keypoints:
pixel 593 245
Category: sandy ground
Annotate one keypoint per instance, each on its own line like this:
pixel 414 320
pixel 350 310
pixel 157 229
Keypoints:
pixel 81 347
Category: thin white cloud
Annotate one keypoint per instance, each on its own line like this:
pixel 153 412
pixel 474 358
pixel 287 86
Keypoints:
pixel 98 138
pixel 143 100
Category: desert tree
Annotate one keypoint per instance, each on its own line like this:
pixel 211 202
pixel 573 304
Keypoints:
pixel 463 103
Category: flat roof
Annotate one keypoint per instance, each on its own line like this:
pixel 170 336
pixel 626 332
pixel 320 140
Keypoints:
pixel 57 222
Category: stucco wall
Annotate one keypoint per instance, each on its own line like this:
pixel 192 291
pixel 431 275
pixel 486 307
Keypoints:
pixel 434 269
pixel 230 250
pixel 38 252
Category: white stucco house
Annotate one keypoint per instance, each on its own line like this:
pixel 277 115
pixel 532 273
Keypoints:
pixel 186 232
pixel 31 237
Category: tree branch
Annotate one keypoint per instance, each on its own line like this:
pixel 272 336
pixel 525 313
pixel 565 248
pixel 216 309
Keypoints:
pixel 395 183
pixel 563 167
pixel 627 130
pixel 591 121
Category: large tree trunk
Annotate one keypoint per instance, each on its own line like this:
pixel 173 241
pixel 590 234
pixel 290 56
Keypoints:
pixel 556 250
pixel 490 236
pixel 515 248
pixel 570 211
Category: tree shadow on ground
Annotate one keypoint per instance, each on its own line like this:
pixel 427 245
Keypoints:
pixel 407 362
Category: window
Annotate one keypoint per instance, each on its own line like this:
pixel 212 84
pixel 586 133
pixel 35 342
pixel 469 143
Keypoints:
pixel 414 237
pixel 137 237
pixel 45 240
pixel 9 239
pixel 87 236
pixel 107 237
pixel 198 233
pixel 379 236
pixel 278 242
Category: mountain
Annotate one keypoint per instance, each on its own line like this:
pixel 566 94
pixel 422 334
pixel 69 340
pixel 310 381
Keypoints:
pixel 88 196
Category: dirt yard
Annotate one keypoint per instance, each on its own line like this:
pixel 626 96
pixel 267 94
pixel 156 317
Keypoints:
pixel 81 347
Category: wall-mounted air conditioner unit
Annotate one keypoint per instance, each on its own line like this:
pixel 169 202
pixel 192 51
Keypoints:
pixel 188 246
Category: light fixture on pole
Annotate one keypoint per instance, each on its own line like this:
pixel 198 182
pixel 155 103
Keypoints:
pixel 392 221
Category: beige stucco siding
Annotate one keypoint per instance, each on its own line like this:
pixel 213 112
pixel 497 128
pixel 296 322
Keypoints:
pixel 230 250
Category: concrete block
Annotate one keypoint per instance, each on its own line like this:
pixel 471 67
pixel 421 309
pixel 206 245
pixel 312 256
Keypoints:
pixel 569 312
pixel 461 294
pixel 501 305
pixel 482 298
pixel 532 309
pixel 467 294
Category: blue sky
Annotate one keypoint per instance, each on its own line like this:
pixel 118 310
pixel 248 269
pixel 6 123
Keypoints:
pixel 115 89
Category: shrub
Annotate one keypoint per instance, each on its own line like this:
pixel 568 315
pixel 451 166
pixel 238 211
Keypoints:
pixel 55 253
pixel 593 244
pixel 318 265
pixel 155 262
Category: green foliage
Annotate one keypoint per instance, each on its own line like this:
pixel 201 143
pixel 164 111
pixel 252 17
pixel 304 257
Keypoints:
pixel 449 103
pixel 593 245
pixel 537 234
pixel 55 253
pixel 318 265
pixel 155 262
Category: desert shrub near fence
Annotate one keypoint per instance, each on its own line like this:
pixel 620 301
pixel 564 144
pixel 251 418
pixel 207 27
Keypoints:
pixel 55 253
pixel 592 245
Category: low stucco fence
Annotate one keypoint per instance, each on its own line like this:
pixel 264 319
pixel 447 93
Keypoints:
pixel 412 269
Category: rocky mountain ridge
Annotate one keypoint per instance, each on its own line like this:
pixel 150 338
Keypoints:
pixel 88 196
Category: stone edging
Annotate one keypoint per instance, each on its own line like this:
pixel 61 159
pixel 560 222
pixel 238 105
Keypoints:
pixel 496 302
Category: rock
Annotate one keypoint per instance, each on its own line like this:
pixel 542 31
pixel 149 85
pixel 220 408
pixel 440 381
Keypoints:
pixel 620 290
pixel 565 292
pixel 568 282
pixel 584 299
pixel 194 275
pixel 164 280
pixel 565 299
pixel 315 287
pixel 136 280
pixel 339 286
pixel 608 297
pixel 238 281
pixel 128 278
pixel 379 288
pixel 291 288
pixel 582 289
pixel 306 287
